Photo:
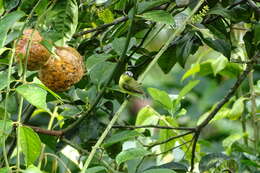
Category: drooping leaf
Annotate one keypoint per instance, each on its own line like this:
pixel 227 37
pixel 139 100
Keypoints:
pixel 168 59
pixel 33 94
pixel 131 154
pixel 159 16
pixel 222 46
pixel 227 142
pixel 162 97
pixel 30 144
pixel 237 109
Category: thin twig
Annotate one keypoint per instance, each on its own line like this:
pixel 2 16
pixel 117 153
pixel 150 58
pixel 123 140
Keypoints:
pixel 169 139
pixel 153 126
pixel 115 22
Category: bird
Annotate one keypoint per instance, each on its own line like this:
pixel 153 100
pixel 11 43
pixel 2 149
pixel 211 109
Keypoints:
pixel 129 85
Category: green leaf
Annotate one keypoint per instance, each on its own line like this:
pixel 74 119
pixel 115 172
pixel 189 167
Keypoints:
pixel 162 97
pixel 146 5
pixel 159 16
pixel 147 116
pixel 32 169
pixel 6 23
pixel 175 166
pixel 165 134
pixel 8 126
pixel 131 154
pixel 193 70
pixel 237 109
pixel 5 170
pixel 4 79
pixel 97 169
pixel 33 94
pixel 227 142
pixel 96 59
pixel 30 144
pixel 121 137
pixel 168 59
pixel 61 21
pixel 248 40
pixel 159 170
pixel 186 90
pixel 222 46
pixel 211 160
pixel 2 9
pixel 218 64
pixel 118 44
pixel 99 72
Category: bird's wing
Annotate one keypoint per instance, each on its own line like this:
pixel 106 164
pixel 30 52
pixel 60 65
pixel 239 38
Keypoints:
pixel 133 86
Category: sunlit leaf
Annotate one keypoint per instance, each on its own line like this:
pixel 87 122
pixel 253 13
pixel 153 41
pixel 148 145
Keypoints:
pixel 30 144
pixel 159 16
pixel 33 94
pixel 162 97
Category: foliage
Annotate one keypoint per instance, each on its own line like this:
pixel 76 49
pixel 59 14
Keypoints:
pixel 197 61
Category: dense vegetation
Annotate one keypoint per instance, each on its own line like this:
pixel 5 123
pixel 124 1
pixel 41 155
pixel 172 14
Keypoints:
pixel 62 110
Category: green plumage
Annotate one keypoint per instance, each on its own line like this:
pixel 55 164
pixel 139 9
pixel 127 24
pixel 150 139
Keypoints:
pixel 129 85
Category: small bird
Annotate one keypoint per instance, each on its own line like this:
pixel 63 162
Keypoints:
pixel 129 85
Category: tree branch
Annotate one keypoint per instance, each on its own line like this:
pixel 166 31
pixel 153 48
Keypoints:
pixel 231 92
pixel 153 126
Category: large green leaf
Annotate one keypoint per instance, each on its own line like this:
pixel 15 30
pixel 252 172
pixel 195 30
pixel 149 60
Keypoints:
pixel 121 137
pixel 147 116
pixel 165 134
pixel 162 97
pixel 30 144
pixel 159 16
pixel 168 59
pixel 62 21
pixel 227 142
pixel 237 109
pixel 131 154
pixel 33 94
pixel 6 23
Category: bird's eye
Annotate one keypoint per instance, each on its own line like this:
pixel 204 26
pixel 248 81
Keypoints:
pixel 129 73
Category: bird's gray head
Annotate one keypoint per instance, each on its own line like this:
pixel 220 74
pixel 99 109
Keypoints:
pixel 129 73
